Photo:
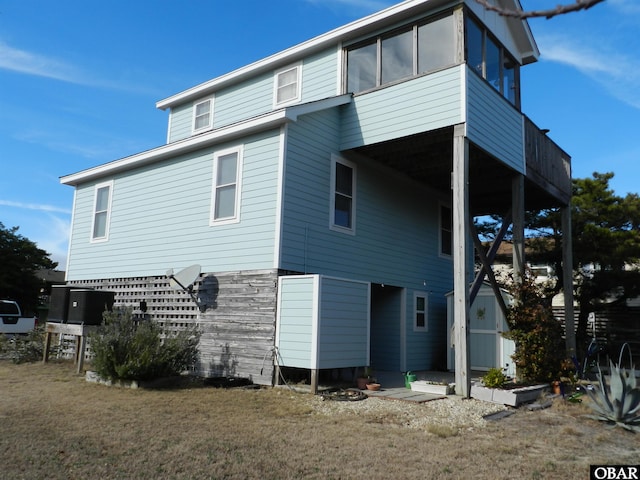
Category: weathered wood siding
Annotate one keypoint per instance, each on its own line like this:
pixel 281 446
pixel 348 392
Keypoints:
pixel 418 105
pixel 160 217
pixel 494 124
pixel 238 325
pixel 254 96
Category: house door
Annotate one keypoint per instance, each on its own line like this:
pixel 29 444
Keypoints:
pixel 484 336
pixel 386 302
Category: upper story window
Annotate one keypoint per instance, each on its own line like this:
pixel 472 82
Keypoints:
pixel 446 230
pixel 287 86
pixel 405 53
pixel 202 115
pixel 225 198
pixel 101 212
pixel 343 197
pixel 491 61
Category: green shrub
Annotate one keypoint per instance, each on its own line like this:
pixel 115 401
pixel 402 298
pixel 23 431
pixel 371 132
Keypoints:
pixel 125 348
pixel 23 348
pixel 540 349
pixel 494 378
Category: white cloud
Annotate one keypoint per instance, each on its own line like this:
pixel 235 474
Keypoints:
pixel 54 238
pixel 626 6
pixel 29 63
pixel 618 73
pixel 35 206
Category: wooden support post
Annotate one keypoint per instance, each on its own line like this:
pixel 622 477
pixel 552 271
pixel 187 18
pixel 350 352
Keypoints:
pixel 567 278
pixel 461 218
pixel 314 381
pixel 517 201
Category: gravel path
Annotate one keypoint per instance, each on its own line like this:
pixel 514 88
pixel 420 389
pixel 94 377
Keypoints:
pixel 453 411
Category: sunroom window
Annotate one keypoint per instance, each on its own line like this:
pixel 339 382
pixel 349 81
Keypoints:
pixel 411 51
pixel 486 57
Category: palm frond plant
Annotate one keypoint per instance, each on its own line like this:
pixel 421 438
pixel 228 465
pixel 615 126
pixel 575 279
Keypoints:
pixel 618 402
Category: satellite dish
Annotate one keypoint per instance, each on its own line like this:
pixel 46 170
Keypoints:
pixel 185 278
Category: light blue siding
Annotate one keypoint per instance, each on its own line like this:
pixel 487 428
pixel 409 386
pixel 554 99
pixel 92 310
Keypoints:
pixel 160 217
pixel 419 105
pixel 296 320
pixel 180 122
pixel 343 339
pixel 494 124
pixel 322 322
pixel 254 96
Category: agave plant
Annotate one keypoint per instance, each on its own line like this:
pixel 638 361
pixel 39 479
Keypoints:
pixel 617 403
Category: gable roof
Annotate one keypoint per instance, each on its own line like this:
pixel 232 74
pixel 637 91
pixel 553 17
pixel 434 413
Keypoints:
pixel 389 16
pixel 229 132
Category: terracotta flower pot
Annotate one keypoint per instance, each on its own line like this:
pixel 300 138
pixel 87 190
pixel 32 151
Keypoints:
pixel 373 386
pixel 362 382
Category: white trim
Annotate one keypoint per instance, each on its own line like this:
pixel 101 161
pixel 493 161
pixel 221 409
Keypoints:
pixel 282 162
pixel 298 96
pixel 335 159
pixel 169 126
pixel 416 295
pixel 235 218
pixel 376 21
pixel 96 189
pixel 315 323
pixel 194 117
pixel 246 127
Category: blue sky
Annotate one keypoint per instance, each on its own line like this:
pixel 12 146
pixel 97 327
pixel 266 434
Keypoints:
pixel 79 80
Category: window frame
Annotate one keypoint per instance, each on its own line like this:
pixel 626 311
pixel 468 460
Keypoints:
pixel 424 311
pixel 442 229
pixel 107 218
pixel 298 83
pixel 513 95
pixel 413 28
pixel 195 116
pixel 335 160
pixel 235 218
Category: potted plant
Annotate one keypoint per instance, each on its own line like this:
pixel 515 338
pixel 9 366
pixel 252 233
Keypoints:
pixel 365 379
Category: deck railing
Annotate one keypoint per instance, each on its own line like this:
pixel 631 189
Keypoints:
pixel 547 164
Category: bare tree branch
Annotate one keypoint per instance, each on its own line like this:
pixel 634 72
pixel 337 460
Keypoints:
pixel 552 12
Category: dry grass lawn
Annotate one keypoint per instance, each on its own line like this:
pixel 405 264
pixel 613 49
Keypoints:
pixel 55 425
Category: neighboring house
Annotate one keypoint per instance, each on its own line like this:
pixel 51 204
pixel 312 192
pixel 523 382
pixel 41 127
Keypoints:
pixel 315 190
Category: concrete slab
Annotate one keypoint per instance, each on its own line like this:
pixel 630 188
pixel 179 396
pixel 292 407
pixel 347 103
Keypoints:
pixel 403 394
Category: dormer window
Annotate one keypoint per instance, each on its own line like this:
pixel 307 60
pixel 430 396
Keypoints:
pixel 202 115
pixel 287 86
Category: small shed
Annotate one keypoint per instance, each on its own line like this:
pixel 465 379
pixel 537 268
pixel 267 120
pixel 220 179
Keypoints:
pixel 322 323
pixel 488 348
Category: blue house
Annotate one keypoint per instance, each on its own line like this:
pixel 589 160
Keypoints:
pixel 327 193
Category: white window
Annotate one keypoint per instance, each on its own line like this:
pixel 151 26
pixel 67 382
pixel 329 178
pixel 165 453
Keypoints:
pixel 446 230
pixel 343 195
pixel 420 305
pixel 202 115
pixel 101 212
pixel 225 198
pixel 287 86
